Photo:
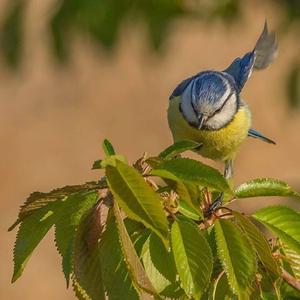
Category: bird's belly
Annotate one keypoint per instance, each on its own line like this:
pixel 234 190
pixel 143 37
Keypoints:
pixel 221 144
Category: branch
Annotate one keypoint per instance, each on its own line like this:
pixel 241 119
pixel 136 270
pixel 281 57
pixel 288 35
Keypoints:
pixel 292 281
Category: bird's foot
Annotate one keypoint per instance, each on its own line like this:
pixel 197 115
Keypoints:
pixel 215 205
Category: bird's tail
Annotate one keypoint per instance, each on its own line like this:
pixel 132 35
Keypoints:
pixel 265 50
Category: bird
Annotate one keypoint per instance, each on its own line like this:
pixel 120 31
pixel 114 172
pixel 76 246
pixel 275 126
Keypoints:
pixel 208 108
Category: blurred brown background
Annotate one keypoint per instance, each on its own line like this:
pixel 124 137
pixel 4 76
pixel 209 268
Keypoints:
pixel 54 117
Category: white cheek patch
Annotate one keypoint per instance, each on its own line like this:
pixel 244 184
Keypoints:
pixel 223 117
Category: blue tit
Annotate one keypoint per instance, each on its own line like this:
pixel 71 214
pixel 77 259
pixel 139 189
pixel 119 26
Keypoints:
pixel 208 108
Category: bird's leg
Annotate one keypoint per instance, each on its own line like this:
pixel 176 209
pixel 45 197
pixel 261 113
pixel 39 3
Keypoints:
pixel 228 173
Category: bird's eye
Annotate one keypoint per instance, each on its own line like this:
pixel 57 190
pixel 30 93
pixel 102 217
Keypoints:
pixel 218 110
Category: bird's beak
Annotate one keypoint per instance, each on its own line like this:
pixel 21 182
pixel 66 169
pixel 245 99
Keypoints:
pixel 201 121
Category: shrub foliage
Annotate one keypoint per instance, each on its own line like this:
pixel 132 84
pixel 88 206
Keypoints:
pixel 146 229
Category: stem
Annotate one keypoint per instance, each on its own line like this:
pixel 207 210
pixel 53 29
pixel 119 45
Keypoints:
pixel 292 281
pixel 207 197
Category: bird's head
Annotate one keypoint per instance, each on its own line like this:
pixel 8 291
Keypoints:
pixel 210 101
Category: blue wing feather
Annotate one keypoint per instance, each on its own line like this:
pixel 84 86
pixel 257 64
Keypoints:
pixel 255 134
pixel 241 69
pixel 181 87
pixel 260 58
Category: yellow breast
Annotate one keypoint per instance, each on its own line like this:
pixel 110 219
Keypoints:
pixel 221 144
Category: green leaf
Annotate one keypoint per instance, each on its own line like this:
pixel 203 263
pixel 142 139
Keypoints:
pixel 265 187
pixel 112 160
pixel 188 211
pixel 259 242
pixel 134 228
pixel 67 221
pixel 80 293
pixel 38 200
pixel 283 222
pixel 31 232
pixel 159 263
pixel 38 214
pixel 192 171
pixel 139 239
pixel 192 256
pixel 97 164
pixel 188 193
pixel 87 260
pixel 177 148
pixel 287 292
pixel 221 289
pixel 137 199
pixel 108 148
pixel 133 262
pixel 293 259
pixel 154 162
pixel 237 256
pixel 116 276
pixel 11 32
pixel 174 291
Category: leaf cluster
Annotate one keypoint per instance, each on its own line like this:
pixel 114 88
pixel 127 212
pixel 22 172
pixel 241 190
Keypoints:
pixel 147 229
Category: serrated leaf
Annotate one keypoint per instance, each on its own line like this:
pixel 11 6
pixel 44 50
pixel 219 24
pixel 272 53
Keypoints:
pixel 116 276
pixel 293 259
pixel 38 200
pixel 259 242
pixel 283 222
pixel 108 148
pixel 192 256
pixel 67 221
pixel 134 264
pixel 31 232
pixel 192 171
pixel 188 193
pixel 177 148
pixel 87 260
pixel 159 263
pixel 265 187
pixel 236 255
pixel 221 289
pixel 139 240
pixel 137 199
pixel 188 211
pixel 79 291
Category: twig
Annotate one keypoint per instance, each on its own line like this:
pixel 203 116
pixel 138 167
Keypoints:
pixel 207 197
pixel 292 281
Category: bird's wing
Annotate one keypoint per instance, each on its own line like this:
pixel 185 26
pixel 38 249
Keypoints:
pixel 261 57
pixel 181 87
pixel 255 134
